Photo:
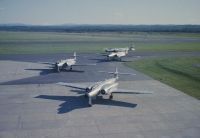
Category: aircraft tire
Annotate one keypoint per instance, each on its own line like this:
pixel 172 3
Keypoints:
pixel 111 97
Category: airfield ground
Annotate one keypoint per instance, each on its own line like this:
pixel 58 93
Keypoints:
pixel 32 105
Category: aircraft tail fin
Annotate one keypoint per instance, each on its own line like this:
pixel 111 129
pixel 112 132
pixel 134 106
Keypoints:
pixel 75 55
pixel 132 47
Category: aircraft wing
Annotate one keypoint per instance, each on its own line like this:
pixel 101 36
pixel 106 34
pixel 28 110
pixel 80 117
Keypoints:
pixel 124 91
pixel 72 85
pixel 84 64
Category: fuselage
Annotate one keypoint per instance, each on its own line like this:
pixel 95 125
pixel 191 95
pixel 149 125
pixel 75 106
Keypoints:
pixel 103 86
pixel 119 49
pixel 63 64
pixel 117 55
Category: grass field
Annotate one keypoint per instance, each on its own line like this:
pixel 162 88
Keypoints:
pixel 180 46
pixel 180 73
pixel 49 42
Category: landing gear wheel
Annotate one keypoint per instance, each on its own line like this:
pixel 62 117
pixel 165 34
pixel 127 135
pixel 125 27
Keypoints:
pixel 111 97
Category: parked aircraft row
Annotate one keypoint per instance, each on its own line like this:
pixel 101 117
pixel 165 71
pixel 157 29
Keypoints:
pixel 111 54
pixel 105 87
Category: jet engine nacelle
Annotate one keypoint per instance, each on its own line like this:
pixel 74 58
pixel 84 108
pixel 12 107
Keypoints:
pixel 88 89
pixel 57 67
pixel 107 89
pixel 103 91
pixel 115 56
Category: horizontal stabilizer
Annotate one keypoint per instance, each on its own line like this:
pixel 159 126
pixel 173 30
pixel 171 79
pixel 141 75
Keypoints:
pixel 117 73
pixel 124 91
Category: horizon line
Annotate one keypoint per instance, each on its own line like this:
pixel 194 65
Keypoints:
pixel 90 24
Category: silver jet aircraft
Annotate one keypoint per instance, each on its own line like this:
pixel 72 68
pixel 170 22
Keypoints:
pixel 118 53
pixel 67 64
pixel 106 87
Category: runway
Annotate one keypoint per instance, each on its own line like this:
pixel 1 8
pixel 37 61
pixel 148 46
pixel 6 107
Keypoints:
pixel 32 105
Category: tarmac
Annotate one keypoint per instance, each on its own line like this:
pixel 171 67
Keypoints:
pixel 33 106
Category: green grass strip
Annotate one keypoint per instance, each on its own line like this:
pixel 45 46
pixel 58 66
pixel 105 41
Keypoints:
pixel 180 46
pixel 181 73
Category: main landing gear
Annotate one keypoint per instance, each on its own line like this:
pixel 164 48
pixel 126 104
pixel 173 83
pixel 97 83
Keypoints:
pixel 111 96
pixel 90 99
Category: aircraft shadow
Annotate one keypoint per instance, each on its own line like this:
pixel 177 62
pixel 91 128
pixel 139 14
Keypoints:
pixel 78 91
pixel 50 71
pixel 77 102
pixel 106 60
pixel 43 71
